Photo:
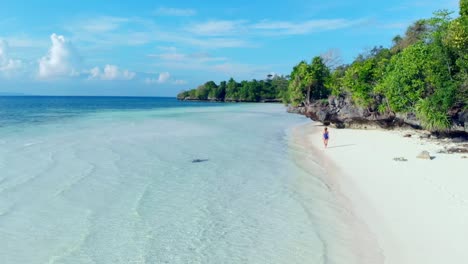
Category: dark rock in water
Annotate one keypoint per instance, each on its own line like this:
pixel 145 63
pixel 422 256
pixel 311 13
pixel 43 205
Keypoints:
pixel 424 155
pixel 407 135
pixel 400 159
pixel 199 160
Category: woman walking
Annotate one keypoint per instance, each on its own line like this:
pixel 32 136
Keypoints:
pixel 325 137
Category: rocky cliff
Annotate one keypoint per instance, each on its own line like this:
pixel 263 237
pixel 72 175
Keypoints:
pixel 341 112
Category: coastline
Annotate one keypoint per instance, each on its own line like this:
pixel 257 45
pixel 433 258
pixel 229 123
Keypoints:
pixel 413 211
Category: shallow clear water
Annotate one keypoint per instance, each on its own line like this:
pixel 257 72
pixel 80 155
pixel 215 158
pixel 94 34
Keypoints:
pixel 111 180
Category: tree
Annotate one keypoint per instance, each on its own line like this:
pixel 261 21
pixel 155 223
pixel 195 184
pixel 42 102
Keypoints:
pixel 335 82
pixel 232 90
pixel 416 32
pixel 362 76
pixel 212 88
pixel 404 84
pixel 464 8
pixel 280 84
pixel 202 92
pixel 417 80
pixel 396 40
pixel 308 82
pixel 456 40
pixel 332 58
pixel 221 91
pixel 298 84
pixel 319 74
pixel 243 90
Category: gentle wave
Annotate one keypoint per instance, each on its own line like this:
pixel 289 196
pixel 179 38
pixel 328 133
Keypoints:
pixel 119 186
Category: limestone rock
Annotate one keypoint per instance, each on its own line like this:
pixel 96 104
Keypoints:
pixel 424 155
pixel 342 112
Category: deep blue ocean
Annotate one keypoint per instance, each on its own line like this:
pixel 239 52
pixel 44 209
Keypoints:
pixel 39 109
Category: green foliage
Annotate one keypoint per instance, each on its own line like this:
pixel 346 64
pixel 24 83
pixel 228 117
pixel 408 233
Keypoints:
pixel 221 91
pixel 424 72
pixel 202 92
pixel 279 86
pixel 426 77
pixel 431 117
pixel 297 85
pixel 415 33
pixel 308 82
pixel 320 74
pixel 232 90
pixel 358 80
pixel 457 34
pixel 382 108
pixel 212 89
pixel 247 91
pixel 364 74
pixel 403 83
pixel 335 82
pixel 182 95
pixel 464 8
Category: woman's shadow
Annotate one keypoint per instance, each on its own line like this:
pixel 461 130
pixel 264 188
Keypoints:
pixel 342 146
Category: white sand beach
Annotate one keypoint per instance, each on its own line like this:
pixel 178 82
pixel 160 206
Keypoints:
pixel 416 211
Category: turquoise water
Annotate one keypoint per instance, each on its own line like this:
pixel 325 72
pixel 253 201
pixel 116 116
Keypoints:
pixel 111 180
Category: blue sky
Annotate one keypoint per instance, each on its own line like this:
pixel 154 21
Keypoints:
pixel 158 48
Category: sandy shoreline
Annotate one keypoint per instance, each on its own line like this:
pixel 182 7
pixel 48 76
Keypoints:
pixel 413 211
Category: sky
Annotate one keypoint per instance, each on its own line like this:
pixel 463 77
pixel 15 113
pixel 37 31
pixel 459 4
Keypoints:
pixel 159 48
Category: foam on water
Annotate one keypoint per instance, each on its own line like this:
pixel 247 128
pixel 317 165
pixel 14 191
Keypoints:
pixel 120 187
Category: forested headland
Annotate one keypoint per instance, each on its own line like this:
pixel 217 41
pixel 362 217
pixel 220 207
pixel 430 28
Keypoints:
pixel 423 74
pixel 272 89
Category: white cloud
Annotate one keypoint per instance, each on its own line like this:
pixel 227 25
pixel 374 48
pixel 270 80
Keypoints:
pixel 110 73
pixel 103 24
pixel 225 69
pixel 212 43
pixel 394 25
pixel 174 56
pixel 105 31
pixel 305 27
pixel 62 59
pixel 239 69
pixel 100 32
pixel 217 27
pixel 8 66
pixel 24 41
pixel 175 12
pixel 164 77
pixel 180 82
